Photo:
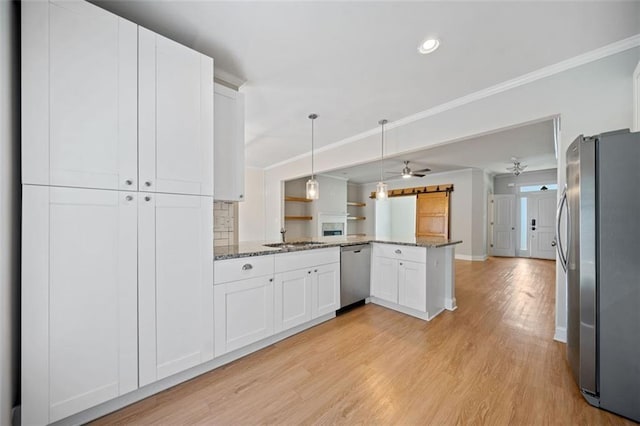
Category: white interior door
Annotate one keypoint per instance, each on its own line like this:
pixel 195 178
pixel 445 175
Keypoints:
pixel 503 243
pixel 541 224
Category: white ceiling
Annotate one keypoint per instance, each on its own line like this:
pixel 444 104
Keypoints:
pixel 356 62
pixel 532 144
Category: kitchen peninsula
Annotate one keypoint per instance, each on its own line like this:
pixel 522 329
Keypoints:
pixel 414 276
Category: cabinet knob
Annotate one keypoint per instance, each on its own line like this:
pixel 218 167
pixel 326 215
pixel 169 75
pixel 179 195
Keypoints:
pixel 241 196
pixel 400 263
pixel 247 267
pixel 270 280
pixel 128 182
pixel 309 272
pixel 398 251
pixel 147 183
pixel 128 198
pixel 315 270
pixel 147 198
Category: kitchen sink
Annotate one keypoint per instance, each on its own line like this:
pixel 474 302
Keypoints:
pixel 294 244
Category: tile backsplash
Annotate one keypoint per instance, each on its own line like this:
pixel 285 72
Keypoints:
pixel 225 223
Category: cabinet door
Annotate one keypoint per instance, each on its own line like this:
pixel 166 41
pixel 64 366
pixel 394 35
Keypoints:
pixel 326 289
pixel 175 283
pixel 412 285
pixel 292 299
pixel 228 144
pixel 175 117
pixel 243 313
pixel 384 278
pixel 79 96
pixel 79 313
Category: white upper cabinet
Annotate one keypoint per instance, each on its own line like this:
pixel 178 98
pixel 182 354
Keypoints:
pixel 79 292
pixel 79 96
pixel 110 105
pixel 175 117
pixel 175 283
pixel 229 144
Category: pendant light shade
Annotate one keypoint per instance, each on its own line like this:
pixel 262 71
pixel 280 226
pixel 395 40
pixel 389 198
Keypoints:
pixel 313 188
pixel 381 187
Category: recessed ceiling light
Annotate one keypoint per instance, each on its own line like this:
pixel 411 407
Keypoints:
pixel 429 45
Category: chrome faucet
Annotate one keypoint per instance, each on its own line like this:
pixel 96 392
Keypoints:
pixel 282 232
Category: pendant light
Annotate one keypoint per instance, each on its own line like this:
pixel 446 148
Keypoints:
pixel 381 187
pixel 313 188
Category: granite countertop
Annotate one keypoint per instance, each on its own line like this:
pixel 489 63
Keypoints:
pixel 257 248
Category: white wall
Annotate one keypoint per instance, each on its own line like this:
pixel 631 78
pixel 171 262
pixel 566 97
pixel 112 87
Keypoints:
pixel 9 208
pixel 590 98
pixel 538 177
pixel 403 216
pixel 251 219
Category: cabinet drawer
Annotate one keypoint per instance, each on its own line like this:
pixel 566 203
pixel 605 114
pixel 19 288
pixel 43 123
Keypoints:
pixel 306 259
pixel 243 268
pixel 414 254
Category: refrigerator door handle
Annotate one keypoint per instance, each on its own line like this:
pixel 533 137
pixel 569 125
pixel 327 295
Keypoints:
pixel 559 247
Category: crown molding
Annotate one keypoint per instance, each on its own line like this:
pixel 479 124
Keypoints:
pixel 548 71
pixel 227 79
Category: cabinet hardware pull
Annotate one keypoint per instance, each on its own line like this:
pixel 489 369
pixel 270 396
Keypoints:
pixel 247 267
pixel 147 198
pixel 398 251
pixel 128 198
pixel 128 182
pixel 400 263
pixel 147 183
pixel 270 280
pixel 309 272
pixel 315 270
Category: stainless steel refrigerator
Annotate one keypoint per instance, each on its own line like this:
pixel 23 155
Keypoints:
pixel 601 204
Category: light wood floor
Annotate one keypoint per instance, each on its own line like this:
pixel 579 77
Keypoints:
pixel 492 361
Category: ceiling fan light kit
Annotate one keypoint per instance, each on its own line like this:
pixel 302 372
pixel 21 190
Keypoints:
pixel 517 167
pixel 313 188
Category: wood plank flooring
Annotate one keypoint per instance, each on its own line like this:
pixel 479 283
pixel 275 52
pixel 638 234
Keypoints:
pixel 492 361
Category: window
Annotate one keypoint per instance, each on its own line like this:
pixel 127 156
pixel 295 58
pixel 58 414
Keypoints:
pixel 536 188
pixel 523 224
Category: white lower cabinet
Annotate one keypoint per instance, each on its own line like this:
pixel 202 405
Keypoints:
pixel 257 297
pixel 325 289
pixel 243 313
pixel 399 276
pixel 412 285
pixel 292 298
pixel 79 310
pixel 384 278
pixel 175 283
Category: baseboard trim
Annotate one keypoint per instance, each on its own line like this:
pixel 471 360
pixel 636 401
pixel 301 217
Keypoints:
pixel 561 334
pixel 472 258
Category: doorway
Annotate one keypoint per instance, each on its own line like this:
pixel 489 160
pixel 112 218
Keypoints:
pixel 537 225
pixel 523 222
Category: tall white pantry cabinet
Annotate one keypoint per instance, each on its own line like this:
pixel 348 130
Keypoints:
pixel 117 173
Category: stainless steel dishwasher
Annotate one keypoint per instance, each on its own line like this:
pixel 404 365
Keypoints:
pixel 355 271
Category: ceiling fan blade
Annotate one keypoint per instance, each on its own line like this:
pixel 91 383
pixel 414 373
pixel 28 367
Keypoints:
pixel 417 175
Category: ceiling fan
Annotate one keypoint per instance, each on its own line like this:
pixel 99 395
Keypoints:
pixel 517 167
pixel 407 172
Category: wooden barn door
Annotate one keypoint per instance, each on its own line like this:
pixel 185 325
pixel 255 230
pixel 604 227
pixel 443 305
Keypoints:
pixel 432 215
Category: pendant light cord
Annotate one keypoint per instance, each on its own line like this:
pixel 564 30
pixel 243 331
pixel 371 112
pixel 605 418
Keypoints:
pixel 382 123
pixel 313 118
